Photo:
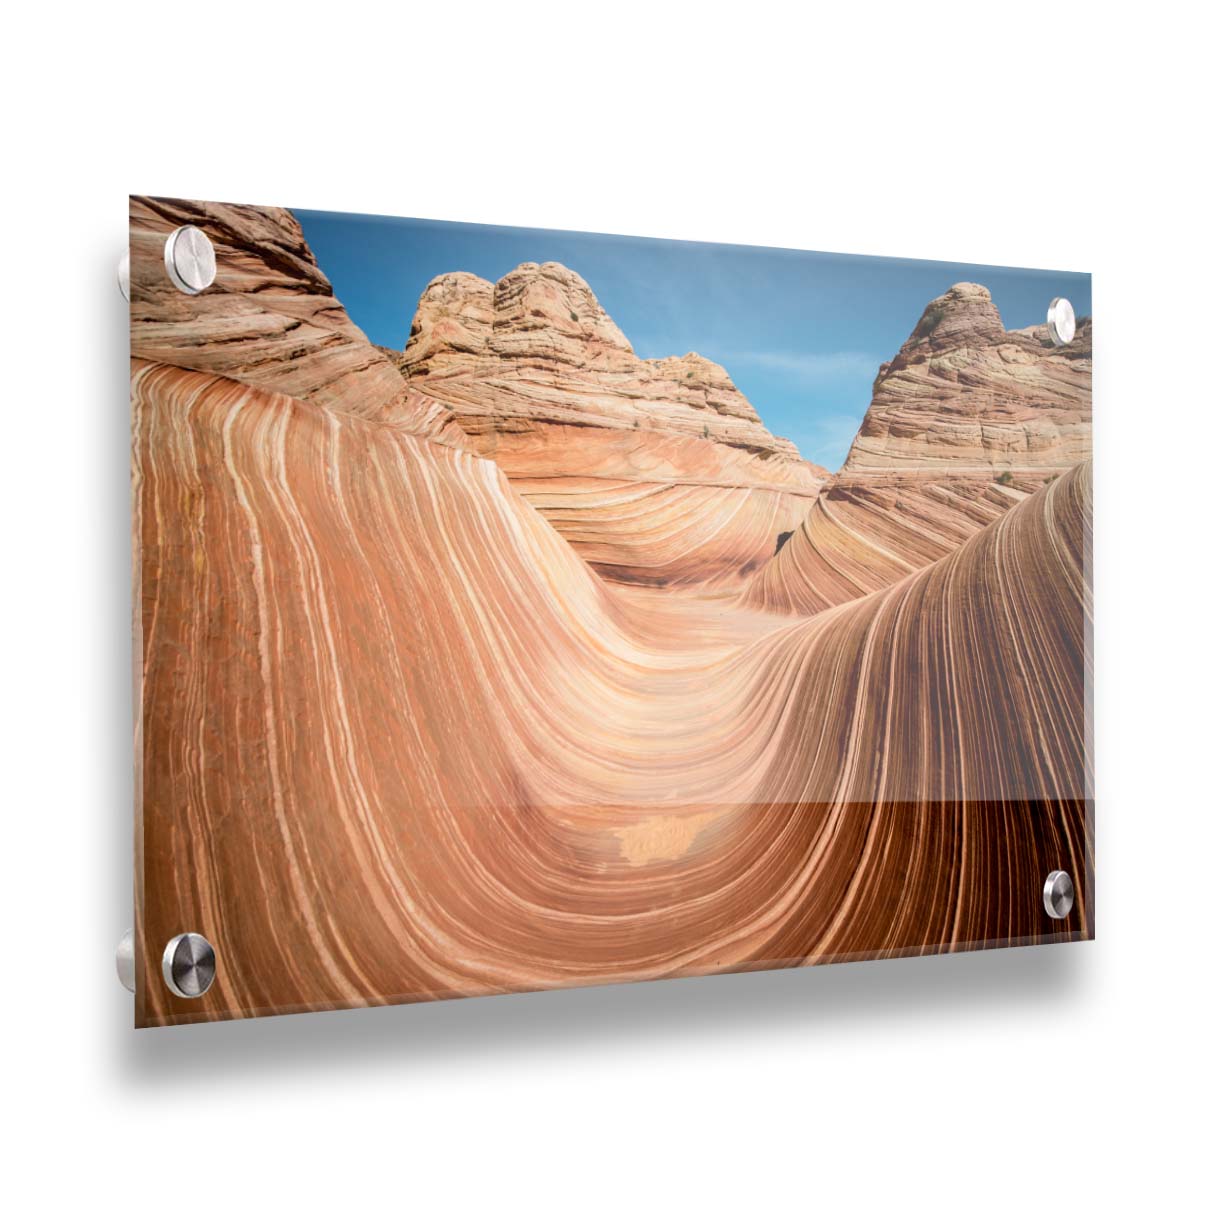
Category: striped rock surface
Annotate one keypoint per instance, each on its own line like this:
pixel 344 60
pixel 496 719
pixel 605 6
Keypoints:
pixel 270 318
pixel 967 420
pixel 659 472
pixel 965 393
pixel 400 742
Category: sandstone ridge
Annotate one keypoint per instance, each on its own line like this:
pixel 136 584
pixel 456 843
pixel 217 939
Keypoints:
pixel 965 393
pixel 658 471
pixel 967 421
pixel 542 331
pixel 270 320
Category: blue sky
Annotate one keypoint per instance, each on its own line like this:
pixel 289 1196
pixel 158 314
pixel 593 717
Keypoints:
pixel 801 333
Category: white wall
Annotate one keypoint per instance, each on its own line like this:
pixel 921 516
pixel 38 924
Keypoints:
pixel 1077 1082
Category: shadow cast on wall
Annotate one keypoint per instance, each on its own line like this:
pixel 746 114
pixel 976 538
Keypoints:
pixel 766 1005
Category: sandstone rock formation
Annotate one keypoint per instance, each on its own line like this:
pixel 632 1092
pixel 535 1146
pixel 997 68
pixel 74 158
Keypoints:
pixel 270 319
pixel 964 422
pixel 657 471
pixel 400 741
pixel 964 394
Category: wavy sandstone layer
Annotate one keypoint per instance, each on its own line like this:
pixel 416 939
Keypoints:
pixel 965 393
pixel 967 420
pixel 270 319
pixel 658 472
pixel 400 742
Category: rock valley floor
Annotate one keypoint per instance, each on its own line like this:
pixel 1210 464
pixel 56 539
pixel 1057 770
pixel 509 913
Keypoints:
pixel 515 661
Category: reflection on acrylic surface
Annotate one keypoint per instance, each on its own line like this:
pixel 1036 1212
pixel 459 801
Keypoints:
pixel 488 646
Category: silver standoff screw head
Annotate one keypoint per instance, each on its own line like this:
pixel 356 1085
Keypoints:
pixel 125 275
pixel 125 961
pixel 189 965
pixel 191 262
pixel 1058 894
pixel 1060 322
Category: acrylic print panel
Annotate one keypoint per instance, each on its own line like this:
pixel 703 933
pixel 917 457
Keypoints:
pixel 522 609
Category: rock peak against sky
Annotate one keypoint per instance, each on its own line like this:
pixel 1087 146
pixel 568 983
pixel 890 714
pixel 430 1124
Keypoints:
pixel 598 439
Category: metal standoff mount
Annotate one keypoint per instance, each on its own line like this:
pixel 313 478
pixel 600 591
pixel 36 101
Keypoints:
pixel 125 961
pixel 1058 894
pixel 1060 322
pixel 191 262
pixel 189 965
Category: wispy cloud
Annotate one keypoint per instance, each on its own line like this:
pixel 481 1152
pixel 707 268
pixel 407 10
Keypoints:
pixel 814 368
pixel 825 439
